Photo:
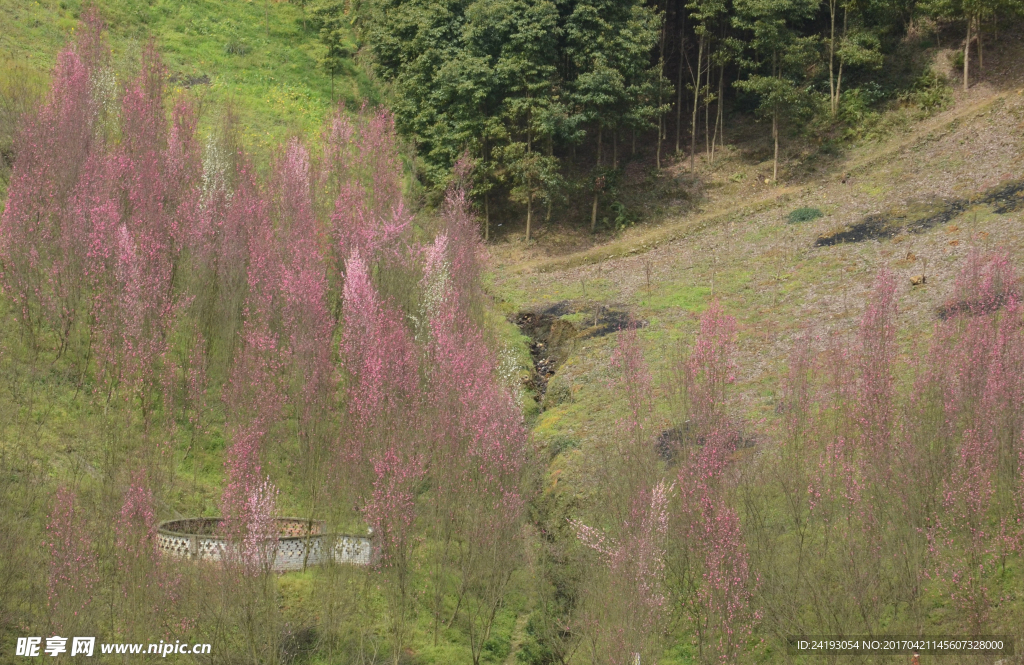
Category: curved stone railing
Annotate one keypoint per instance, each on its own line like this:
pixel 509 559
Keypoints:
pixel 198 538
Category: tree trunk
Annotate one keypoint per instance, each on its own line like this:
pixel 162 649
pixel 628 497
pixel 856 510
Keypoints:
pixel 967 52
pixel 696 103
pixel 661 114
pixel 839 77
pixel 839 83
pixel 487 217
pixel 775 135
pixel 661 135
pixel 593 212
pixel 529 178
pixel 551 153
pixel 529 214
pixel 600 136
pixel 719 127
pixel 679 82
pixel 833 97
pixel 707 113
pixel 775 122
pixel 981 59
pixel 615 149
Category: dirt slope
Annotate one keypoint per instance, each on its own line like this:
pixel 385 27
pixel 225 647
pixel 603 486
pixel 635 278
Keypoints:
pixel 771 274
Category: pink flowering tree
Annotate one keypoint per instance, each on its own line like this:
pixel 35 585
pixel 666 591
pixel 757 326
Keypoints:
pixel 634 463
pixel 146 590
pixel 700 378
pixel 248 500
pixel 390 511
pixel 977 526
pixel 254 397
pixel 986 283
pixel 247 602
pixel 463 248
pixel 960 540
pixel 45 226
pixel 379 357
pixel 72 574
pixel 627 607
pixel 708 568
pixel 307 327
pixel 364 174
pixel 253 394
pixel 152 182
pixel 475 440
pixel 876 360
pixel 379 461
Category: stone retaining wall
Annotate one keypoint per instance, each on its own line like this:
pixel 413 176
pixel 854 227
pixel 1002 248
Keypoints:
pixel 197 538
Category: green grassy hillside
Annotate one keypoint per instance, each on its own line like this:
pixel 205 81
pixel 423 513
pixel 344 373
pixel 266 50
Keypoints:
pixel 254 55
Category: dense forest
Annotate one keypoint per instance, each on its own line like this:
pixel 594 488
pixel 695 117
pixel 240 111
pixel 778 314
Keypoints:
pixel 548 96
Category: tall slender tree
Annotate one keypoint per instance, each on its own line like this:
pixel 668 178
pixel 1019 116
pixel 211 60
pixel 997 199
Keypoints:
pixel 776 57
pixel 704 16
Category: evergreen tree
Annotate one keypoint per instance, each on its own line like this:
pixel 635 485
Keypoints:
pixel 521 84
pixel 510 81
pixel 329 18
pixel 609 46
pixel 777 55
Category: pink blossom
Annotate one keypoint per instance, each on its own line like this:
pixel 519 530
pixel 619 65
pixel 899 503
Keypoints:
pixel 72 571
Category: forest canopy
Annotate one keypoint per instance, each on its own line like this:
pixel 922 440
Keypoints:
pixel 542 93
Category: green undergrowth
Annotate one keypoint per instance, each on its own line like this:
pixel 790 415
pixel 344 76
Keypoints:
pixel 304 595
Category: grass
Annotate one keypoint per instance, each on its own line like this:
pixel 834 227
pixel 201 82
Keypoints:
pixel 253 56
pixel 690 298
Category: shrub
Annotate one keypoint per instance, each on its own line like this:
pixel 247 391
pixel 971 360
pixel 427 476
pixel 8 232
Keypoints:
pixel 236 48
pixel 930 93
pixel 804 215
pixel 957 59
